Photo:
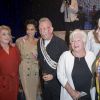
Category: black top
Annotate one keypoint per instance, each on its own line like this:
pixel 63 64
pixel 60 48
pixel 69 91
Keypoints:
pixel 81 76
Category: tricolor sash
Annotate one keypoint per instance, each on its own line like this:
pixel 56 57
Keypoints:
pixel 98 77
pixel 49 61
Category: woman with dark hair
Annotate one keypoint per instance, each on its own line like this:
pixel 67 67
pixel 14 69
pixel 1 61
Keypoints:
pixel 28 69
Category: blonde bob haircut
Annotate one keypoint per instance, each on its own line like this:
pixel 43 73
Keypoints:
pixel 76 32
pixel 4 27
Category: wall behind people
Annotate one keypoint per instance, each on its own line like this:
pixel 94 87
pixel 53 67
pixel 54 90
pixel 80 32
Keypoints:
pixel 50 9
pixel 15 12
pixel 11 15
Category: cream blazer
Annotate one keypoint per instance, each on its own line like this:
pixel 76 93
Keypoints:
pixel 64 71
pixel 91 45
pixel 70 13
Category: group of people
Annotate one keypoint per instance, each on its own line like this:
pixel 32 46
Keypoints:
pixel 63 73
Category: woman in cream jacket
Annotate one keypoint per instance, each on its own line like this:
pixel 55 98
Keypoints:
pixel 74 70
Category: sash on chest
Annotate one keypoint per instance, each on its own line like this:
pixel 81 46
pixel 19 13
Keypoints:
pixel 49 61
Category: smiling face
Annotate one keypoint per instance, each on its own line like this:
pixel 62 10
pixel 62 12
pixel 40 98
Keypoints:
pixel 46 30
pixel 5 36
pixel 77 43
pixel 30 30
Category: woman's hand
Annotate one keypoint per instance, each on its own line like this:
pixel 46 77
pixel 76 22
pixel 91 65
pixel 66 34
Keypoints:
pixel 73 93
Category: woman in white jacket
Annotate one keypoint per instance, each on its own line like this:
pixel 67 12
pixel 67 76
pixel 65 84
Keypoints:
pixel 74 70
pixel 93 40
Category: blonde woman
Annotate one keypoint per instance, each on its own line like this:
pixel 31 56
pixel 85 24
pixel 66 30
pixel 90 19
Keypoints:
pixel 74 70
pixel 9 66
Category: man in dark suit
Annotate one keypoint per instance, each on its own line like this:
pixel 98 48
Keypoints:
pixel 50 48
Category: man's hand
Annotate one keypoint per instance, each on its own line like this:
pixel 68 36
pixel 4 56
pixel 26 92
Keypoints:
pixel 47 77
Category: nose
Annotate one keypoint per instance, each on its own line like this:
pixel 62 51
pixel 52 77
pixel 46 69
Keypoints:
pixel 44 31
pixel 75 43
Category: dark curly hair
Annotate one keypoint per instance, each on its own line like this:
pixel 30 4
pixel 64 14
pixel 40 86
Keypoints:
pixel 31 21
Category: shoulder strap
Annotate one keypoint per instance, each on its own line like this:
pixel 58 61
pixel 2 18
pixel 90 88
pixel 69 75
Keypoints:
pixel 50 62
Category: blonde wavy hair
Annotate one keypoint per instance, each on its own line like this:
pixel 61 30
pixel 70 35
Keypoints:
pixel 4 27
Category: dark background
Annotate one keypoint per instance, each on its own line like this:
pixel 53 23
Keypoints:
pixel 15 12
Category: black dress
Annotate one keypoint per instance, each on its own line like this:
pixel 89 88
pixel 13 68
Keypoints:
pixel 81 76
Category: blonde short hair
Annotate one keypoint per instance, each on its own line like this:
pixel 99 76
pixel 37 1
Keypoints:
pixel 4 27
pixel 81 32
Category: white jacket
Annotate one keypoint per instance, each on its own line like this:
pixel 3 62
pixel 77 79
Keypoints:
pixel 70 13
pixel 64 71
pixel 91 45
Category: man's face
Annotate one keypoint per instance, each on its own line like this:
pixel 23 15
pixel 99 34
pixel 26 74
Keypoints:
pixel 46 30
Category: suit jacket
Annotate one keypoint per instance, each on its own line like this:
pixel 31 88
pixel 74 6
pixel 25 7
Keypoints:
pixel 54 49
